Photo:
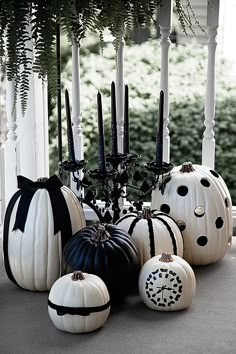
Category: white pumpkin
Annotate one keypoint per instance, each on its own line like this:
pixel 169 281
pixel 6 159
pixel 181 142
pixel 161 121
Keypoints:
pixel 79 302
pixel 153 232
pixel 33 258
pixel 167 283
pixel 197 198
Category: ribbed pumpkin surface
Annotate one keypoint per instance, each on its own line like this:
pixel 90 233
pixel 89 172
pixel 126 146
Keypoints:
pixel 114 258
pixel 152 235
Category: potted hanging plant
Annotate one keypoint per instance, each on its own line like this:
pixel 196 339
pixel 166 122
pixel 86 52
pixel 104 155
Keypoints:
pixel 22 19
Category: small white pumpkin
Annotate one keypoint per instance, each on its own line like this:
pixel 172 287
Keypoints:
pixel 33 247
pixel 79 302
pixel 167 283
pixel 197 198
pixel 153 232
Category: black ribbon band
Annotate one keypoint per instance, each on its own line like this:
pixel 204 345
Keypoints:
pixel 82 311
pixel 6 235
pixel 61 215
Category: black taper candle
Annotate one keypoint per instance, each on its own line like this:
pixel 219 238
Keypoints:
pixel 159 136
pixel 114 145
pixel 126 122
pixel 101 148
pixel 59 124
pixel 70 138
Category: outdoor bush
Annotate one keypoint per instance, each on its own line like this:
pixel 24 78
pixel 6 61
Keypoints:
pixel 187 94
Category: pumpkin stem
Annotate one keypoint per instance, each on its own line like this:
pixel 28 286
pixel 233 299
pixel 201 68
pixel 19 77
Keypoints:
pixel 187 167
pixel 166 257
pixel 77 275
pixel 147 213
pixel 101 234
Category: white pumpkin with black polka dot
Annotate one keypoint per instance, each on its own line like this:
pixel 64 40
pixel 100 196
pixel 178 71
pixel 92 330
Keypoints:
pixel 153 232
pixel 198 199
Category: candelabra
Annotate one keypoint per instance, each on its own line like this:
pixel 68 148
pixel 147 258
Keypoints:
pixel 116 183
pixel 114 178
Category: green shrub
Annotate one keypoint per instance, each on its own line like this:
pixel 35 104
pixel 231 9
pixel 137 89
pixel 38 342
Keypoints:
pixel 187 94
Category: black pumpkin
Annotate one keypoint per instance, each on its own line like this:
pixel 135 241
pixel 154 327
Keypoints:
pixel 107 251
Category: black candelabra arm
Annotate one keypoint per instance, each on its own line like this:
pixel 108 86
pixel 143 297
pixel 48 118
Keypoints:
pixel 72 167
pixel 160 170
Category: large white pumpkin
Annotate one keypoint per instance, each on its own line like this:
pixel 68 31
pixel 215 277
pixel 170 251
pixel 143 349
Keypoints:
pixel 153 232
pixel 32 243
pixel 79 302
pixel 197 198
pixel 167 283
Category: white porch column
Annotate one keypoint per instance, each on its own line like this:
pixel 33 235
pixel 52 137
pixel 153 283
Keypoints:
pixel 120 95
pixel 9 156
pixel 2 160
pixel 76 117
pixel 33 160
pixel 165 23
pixel 208 144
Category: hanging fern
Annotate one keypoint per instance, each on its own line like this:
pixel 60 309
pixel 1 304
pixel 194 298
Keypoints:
pixel 20 19
pixel 14 19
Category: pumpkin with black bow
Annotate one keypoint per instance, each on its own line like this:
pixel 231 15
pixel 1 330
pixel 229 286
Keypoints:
pixel 198 198
pixel 108 252
pixel 153 232
pixel 40 218
pixel 79 302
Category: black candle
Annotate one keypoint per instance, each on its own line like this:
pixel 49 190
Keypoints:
pixel 114 146
pixel 101 149
pixel 126 122
pixel 159 136
pixel 70 138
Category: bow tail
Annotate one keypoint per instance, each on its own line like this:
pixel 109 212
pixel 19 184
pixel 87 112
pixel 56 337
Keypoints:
pixel 22 210
pixel 61 215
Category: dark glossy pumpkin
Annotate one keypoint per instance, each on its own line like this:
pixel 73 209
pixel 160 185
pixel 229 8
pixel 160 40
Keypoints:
pixel 107 251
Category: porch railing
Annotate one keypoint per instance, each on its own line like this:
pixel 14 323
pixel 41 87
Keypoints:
pixel 24 150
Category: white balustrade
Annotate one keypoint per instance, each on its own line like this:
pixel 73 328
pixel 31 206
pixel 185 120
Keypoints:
pixel 27 154
pixel 32 145
pixel 120 102
pixel 208 144
pixel 165 23
pixel 120 95
pixel 10 160
pixel 76 116
pixel 2 158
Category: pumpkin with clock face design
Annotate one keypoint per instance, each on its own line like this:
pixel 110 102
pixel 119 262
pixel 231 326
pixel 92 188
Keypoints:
pixel 198 199
pixel 167 283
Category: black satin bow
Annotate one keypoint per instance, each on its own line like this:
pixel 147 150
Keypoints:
pixel 61 215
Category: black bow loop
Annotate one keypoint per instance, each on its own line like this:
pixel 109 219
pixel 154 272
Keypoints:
pixel 47 183
pixel 60 210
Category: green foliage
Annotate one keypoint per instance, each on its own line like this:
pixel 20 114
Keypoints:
pixel 13 26
pixel 75 18
pixel 187 95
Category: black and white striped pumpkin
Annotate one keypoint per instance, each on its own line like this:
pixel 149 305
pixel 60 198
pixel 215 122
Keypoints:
pixel 153 232
pixel 198 197
pixel 40 218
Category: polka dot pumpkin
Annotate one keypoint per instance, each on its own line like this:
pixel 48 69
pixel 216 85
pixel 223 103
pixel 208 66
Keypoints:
pixel 198 199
